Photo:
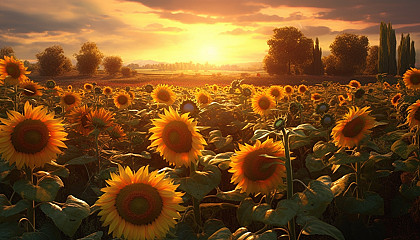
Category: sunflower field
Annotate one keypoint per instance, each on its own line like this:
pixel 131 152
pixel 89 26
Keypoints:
pixel 234 162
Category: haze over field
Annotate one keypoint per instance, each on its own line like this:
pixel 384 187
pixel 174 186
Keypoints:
pixel 220 32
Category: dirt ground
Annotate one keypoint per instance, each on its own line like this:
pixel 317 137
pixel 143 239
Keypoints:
pixel 185 80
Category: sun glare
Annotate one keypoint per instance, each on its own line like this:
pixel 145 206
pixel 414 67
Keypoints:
pixel 209 53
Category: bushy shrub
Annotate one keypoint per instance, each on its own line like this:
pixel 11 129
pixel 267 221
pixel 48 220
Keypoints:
pixel 112 64
pixel 126 71
pixel 52 62
pixel 88 59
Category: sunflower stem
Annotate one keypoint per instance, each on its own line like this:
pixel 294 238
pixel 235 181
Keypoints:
pixel 97 150
pixel 289 179
pixel 31 208
pixel 358 184
pixel 196 202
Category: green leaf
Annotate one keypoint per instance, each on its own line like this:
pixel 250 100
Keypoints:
pixel 185 231
pixel 70 216
pixel 342 157
pixel 85 159
pixel 403 149
pixel 57 169
pixel 371 204
pixel 376 157
pixel 314 164
pixel 44 191
pixel 340 185
pixel 322 148
pixel 218 140
pixel 221 234
pixel 234 195
pixel 299 139
pixel 267 235
pixel 410 165
pixel 200 183
pixel 240 232
pixel 222 160
pixel 305 127
pixel 94 236
pixel 34 236
pixel 211 226
pixel 313 226
pixel 260 134
pixel 9 230
pixel 410 192
pixel 286 209
pixel 315 199
pixel 244 212
pixel 7 209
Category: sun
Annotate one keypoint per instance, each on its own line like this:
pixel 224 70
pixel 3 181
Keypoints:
pixel 209 53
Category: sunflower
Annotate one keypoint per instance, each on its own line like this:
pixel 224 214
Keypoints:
pixel 30 88
pixel 69 87
pixel 70 100
pixel 163 94
pixel 107 91
pixel 9 66
pixel 255 173
pixel 395 99
pixel 214 88
pixel 88 87
pixel 176 138
pixel 203 98
pixel 131 94
pixel 288 89
pixel 355 84
pixel 322 108
pixel 413 118
pixel 327 120
pixel 247 90
pixel 412 78
pixel 122 100
pixel 302 89
pixel 31 139
pixel 353 127
pixel 262 103
pixel 148 88
pixel 189 106
pixel 275 92
pixel 50 84
pixel 139 205
pixel 386 85
pixel 316 97
pixel 79 118
pixel 100 118
pixel 116 132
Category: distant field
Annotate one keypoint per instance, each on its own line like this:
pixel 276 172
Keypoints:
pixel 191 78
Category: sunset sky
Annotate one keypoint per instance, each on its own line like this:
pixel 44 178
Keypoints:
pixel 217 31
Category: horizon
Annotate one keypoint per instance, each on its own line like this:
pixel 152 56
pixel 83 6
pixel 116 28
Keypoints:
pixel 217 32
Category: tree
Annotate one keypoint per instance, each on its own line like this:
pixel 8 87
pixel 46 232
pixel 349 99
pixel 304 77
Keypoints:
pixel 7 51
pixel 330 63
pixel 372 61
pixel 351 51
pixel 412 55
pixel 112 64
pixel 318 69
pixel 52 61
pixel 126 71
pixel 89 58
pixel 387 50
pixel 288 48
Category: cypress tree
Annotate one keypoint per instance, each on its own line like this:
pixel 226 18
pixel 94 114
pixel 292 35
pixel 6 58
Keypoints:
pixel 383 56
pixel 412 55
pixel 404 54
pixel 317 62
pixel 392 42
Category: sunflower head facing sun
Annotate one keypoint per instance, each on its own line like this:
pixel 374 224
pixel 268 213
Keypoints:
pixel 70 100
pixel 302 89
pixel 275 92
pixel 31 139
pixel 176 138
pixel 288 90
pixel 30 88
pixel 139 205
pixel 412 78
pixel 203 98
pixel 354 126
pixel 262 103
pixel 9 66
pixel 79 118
pixel 413 118
pixel 122 100
pixel 163 94
pixel 255 173
pixel 107 91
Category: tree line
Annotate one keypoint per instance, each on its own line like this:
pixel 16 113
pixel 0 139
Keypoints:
pixel 290 52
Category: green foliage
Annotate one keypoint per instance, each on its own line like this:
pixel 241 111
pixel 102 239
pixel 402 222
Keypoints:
pixel 112 64
pixel 406 54
pixel 372 61
pixel 45 190
pixel 89 58
pixel 7 51
pixel 126 71
pixel 350 51
pixel 383 54
pixel 52 61
pixel 317 66
pixel 200 183
pixel 288 48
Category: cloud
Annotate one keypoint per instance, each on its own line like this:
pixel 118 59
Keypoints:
pixel 207 7
pixel 157 27
pixel 314 31
pixel 188 18
pixel 259 17
pixel 237 31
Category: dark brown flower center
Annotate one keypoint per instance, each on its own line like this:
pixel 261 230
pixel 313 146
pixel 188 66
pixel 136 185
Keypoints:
pixel 264 103
pixel 30 136
pixel 288 89
pixel 13 69
pixel 354 127
pixel 139 204
pixel 69 99
pixel 396 98
pixel 177 137
pixel 122 99
pixel 255 166
pixel 85 121
pixel 163 95
pixel 275 92
pixel 415 79
pixel 302 89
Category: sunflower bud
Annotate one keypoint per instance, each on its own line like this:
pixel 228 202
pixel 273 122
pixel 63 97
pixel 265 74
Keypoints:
pixel 50 84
